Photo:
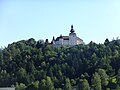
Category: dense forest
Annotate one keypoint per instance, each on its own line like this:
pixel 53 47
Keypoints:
pixel 36 65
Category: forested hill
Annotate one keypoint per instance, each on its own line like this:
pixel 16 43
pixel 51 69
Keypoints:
pixel 35 65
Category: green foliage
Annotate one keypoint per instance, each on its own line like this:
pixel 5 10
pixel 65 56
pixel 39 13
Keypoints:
pixel 103 77
pixel 43 85
pixel 96 82
pixel 36 65
pixel 83 85
pixel 117 88
pixel 46 84
pixel 118 77
pixel 33 86
pixel 67 84
pixel 49 84
pixel 20 86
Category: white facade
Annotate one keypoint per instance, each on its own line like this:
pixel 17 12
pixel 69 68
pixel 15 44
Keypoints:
pixel 7 88
pixel 70 40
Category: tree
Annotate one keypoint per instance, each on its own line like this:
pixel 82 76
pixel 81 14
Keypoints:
pixel 49 83
pixel 46 84
pixel 20 86
pixel 33 86
pixel 43 85
pixel 67 84
pixel 106 42
pixel 31 42
pixel 83 84
pixel 118 77
pixel 96 82
pixel 4 79
pixel 117 88
pixel 40 44
pixel 103 77
pixel 21 74
pixel 46 42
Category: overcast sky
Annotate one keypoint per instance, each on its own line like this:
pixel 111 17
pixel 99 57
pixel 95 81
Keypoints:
pixel 93 20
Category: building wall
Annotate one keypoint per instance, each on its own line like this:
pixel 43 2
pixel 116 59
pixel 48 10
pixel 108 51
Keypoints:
pixel 80 42
pixel 66 42
pixel 61 41
pixel 72 40
pixel 7 88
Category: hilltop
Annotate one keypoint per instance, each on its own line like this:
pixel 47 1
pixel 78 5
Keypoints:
pixel 36 65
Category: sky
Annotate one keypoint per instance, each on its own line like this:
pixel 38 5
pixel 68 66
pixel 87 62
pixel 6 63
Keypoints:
pixel 93 20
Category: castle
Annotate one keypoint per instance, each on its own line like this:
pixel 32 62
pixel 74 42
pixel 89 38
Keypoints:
pixel 70 40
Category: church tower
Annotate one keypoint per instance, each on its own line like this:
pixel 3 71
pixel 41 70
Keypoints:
pixel 72 37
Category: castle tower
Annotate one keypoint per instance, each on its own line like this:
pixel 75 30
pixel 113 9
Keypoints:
pixel 72 37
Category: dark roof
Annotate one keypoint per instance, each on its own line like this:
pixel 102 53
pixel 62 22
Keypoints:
pixel 57 39
pixel 64 38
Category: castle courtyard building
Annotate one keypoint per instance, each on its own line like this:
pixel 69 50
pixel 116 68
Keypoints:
pixel 70 40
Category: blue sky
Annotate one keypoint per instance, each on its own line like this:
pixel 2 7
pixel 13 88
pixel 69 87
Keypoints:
pixel 93 20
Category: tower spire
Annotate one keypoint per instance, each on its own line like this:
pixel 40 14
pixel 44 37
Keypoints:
pixel 71 26
pixel 72 30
